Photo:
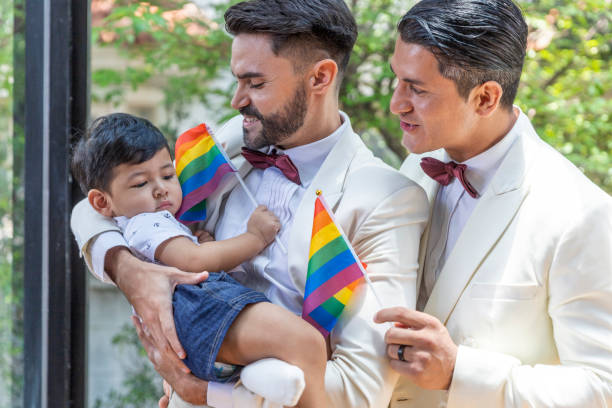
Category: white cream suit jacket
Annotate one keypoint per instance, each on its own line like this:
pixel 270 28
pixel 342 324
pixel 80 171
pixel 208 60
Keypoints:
pixel 382 213
pixel 526 292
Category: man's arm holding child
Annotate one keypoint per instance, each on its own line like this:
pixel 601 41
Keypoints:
pixel 224 255
pixel 147 286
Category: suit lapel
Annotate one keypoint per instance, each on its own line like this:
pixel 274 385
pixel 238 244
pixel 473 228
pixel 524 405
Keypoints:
pixel 412 169
pixel 330 180
pixel 487 223
pixel 485 226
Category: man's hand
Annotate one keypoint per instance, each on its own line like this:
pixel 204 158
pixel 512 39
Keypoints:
pixel 165 399
pixel 149 288
pixel 189 387
pixel 429 352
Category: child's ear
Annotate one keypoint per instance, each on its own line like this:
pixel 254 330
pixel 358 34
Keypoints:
pixel 100 202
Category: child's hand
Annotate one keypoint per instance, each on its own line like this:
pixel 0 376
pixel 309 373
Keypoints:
pixel 264 224
pixel 203 236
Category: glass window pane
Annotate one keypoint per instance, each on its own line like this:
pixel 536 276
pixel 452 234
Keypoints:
pixel 11 202
pixel 146 60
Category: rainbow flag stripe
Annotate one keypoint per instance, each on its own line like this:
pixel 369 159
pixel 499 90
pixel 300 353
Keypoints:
pixel 333 272
pixel 200 166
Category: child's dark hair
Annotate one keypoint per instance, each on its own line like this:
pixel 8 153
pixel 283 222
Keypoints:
pixel 112 140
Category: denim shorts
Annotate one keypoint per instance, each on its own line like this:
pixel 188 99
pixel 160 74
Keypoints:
pixel 202 315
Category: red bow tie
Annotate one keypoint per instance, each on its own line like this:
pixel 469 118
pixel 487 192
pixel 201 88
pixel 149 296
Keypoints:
pixel 444 173
pixel 282 162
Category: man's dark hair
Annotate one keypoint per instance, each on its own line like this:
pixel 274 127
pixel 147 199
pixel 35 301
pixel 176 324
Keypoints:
pixel 112 140
pixel 474 41
pixel 303 27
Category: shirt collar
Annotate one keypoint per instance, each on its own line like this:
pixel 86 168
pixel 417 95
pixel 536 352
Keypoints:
pixel 308 158
pixel 482 167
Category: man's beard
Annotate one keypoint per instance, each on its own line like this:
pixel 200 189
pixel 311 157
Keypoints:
pixel 278 126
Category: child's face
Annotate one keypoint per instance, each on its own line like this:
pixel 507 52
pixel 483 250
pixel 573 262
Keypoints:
pixel 149 186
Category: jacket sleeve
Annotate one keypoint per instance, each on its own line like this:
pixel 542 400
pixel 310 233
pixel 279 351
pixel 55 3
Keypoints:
pixel 384 222
pixel 580 308
pixel 387 241
pixel 87 224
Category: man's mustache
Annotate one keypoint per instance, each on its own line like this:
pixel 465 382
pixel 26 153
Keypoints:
pixel 250 111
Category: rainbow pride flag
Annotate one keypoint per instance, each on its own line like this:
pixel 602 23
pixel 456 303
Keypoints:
pixel 200 166
pixel 333 271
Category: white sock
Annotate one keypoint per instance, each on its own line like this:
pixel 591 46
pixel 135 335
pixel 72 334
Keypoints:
pixel 275 380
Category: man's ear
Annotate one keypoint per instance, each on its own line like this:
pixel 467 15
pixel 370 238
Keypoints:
pixel 487 97
pixel 100 201
pixel 322 76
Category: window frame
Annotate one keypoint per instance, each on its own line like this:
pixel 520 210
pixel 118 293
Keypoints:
pixel 57 36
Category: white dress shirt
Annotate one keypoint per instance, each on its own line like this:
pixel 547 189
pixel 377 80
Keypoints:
pixel 452 208
pixel 268 271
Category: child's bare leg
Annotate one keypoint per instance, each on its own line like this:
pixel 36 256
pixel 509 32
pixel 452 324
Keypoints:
pixel 265 330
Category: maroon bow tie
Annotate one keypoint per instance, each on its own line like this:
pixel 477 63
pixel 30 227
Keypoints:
pixel 282 162
pixel 444 173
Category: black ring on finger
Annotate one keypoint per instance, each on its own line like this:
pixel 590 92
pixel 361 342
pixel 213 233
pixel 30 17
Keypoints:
pixel 400 352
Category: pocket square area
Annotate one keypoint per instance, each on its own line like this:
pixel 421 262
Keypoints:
pixel 519 291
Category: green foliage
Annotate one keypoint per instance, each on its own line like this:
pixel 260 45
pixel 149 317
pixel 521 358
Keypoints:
pixel 368 84
pixel 185 53
pixel 567 80
pixel 6 125
pixel 142 385
pixel 11 203
pixel 565 88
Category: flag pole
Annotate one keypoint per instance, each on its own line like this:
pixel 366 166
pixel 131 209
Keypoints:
pixel 350 246
pixel 243 184
pixel 248 192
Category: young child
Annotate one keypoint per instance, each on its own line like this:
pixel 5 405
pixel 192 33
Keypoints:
pixel 124 166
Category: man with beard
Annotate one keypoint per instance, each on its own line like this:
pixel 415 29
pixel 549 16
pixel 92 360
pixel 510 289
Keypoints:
pixel 288 58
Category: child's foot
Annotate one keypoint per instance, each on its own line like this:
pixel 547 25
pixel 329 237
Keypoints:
pixel 275 380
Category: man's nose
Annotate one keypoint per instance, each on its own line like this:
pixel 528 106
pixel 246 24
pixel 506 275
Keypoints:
pixel 240 99
pixel 400 102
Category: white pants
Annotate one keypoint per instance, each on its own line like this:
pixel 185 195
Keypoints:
pixel 242 399
pixel 177 402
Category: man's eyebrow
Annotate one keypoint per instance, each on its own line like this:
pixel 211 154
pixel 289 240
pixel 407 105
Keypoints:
pixel 248 75
pixel 165 166
pixel 407 79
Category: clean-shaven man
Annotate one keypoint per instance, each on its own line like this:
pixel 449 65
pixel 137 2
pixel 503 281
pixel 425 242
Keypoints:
pixel 288 58
pixel 516 275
